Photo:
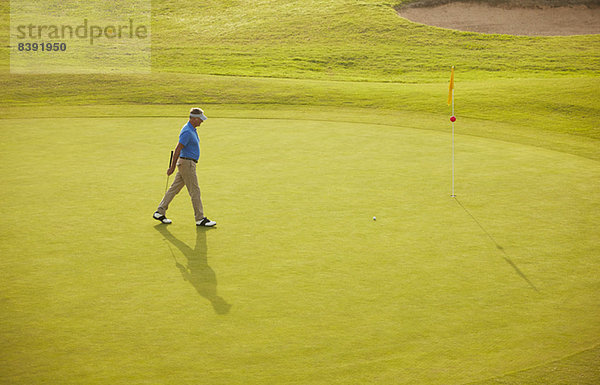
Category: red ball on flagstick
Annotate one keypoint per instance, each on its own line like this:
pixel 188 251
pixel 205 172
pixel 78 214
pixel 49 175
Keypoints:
pixel 453 119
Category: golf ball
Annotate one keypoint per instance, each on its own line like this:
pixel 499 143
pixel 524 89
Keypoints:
pixel 374 218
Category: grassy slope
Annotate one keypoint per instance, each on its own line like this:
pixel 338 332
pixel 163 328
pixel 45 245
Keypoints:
pixel 349 39
pixel 560 114
pixel 536 84
pixel 345 40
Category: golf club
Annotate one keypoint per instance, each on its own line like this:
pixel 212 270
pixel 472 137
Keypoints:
pixel 170 163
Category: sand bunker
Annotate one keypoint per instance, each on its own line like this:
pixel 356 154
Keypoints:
pixel 560 21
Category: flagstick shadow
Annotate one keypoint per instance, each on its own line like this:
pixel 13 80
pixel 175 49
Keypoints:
pixel 498 246
pixel 197 272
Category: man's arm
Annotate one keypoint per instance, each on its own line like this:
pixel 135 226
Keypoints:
pixel 175 157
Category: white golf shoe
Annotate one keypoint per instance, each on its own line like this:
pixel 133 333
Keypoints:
pixel 159 217
pixel 205 222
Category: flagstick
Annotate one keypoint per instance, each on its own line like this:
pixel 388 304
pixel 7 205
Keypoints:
pixel 453 195
pixel 452 119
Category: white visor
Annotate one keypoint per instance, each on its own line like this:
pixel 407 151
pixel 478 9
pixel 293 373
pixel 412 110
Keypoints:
pixel 201 116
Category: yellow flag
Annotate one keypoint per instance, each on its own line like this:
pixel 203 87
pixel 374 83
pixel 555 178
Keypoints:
pixel 451 87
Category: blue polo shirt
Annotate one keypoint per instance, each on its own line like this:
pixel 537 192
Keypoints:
pixel 191 142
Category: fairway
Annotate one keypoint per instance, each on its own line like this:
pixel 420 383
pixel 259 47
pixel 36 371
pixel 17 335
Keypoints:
pixel 297 284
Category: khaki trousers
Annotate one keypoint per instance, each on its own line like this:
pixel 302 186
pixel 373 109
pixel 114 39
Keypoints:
pixel 186 176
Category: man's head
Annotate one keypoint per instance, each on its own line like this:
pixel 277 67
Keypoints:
pixel 197 116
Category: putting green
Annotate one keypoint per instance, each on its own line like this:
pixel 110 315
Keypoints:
pixel 297 284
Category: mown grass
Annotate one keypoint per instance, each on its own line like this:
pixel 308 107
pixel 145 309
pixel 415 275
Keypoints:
pixel 319 292
pixel 560 114
pixel 581 368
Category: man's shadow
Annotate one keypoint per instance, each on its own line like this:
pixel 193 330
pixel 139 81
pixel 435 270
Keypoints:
pixel 197 272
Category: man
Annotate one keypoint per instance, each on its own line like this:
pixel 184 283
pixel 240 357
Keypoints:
pixel 186 157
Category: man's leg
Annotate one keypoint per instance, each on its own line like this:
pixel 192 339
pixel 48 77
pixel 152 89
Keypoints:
pixel 188 173
pixel 175 188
